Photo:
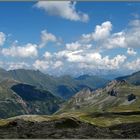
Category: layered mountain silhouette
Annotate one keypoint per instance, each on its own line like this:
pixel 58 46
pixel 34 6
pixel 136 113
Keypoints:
pixel 63 86
pixel 37 105
pixel 33 92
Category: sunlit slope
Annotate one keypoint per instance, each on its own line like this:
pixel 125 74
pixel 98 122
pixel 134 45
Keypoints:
pixel 117 96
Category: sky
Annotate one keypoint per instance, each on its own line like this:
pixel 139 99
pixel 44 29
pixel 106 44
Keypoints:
pixel 67 37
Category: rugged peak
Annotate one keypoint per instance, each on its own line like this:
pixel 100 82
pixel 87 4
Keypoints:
pixel 84 93
pixel 115 83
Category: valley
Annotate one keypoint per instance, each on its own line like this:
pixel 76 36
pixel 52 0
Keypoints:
pixel 30 109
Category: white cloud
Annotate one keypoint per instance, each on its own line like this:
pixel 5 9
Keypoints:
pixel 101 32
pixel 114 63
pixel 57 64
pixel 79 59
pixel 17 65
pixel 76 46
pixel 133 36
pixel 28 50
pixel 46 37
pixel 135 22
pixel 128 38
pixel 86 55
pixel 2 38
pixel 47 55
pixel 116 40
pixel 73 46
pixel 64 9
pixel 41 65
pixel 131 51
pixel 102 37
pixel 97 60
pixel 48 65
pixel 133 65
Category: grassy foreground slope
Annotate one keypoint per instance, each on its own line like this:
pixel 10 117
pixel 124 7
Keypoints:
pixel 65 126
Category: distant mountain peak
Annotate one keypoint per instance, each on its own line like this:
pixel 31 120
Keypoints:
pixel 134 78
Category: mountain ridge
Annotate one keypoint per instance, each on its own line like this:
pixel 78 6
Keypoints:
pixel 119 95
pixel 64 86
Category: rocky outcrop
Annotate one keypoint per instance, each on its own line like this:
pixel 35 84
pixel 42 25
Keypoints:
pixel 131 97
pixel 112 92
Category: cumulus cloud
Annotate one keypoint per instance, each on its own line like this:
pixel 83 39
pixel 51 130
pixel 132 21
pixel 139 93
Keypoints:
pixel 64 9
pixel 128 38
pixel 103 38
pixel 57 64
pixel 133 35
pixel 2 38
pixel 28 50
pixel 86 55
pixel 10 65
pixel 47 55
pixel 131 51
pixel 17 65
pixel 46 37
pixel 101 32
pixel 79 60
pixel 135 22
pixel 133 65
pixel 41 65
pixel 116 40
pixel 93 59
pixel 76 45
pixel 73 46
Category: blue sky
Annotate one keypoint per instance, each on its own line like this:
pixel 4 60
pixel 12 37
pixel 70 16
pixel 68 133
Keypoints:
pixel 70 37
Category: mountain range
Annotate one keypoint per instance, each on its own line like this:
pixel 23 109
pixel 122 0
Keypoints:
pixel 33 92
pixel 63 86
pixel 116 96
pixel 57 107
